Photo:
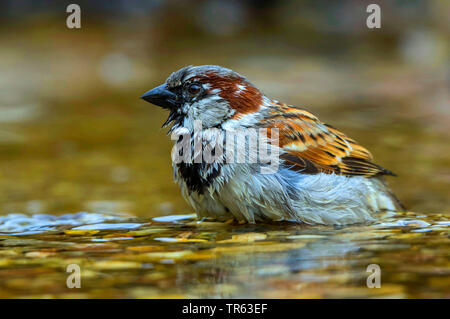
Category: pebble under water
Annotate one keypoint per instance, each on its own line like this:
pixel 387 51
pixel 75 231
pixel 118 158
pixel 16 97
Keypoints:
pixel 121 256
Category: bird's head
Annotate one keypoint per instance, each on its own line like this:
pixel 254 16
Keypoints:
pixel 208 93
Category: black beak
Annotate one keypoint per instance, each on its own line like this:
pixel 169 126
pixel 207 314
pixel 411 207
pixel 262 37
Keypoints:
pixel 161 96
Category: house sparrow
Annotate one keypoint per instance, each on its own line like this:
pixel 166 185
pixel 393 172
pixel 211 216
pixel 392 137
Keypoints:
pixel 322 175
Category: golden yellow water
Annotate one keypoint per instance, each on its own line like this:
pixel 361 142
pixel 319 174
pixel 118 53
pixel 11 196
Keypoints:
pixel 184 258
pixel 77 139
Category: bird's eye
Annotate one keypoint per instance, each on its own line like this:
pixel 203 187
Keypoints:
pixel 194 89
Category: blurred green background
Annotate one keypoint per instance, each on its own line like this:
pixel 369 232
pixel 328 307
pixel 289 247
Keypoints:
pixel 74 135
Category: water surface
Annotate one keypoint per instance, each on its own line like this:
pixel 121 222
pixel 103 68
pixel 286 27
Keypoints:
pixel 180 257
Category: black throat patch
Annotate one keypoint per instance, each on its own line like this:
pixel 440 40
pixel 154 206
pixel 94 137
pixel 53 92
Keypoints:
pixel 198 176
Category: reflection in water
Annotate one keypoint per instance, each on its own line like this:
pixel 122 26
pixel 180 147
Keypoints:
pixel 176 256
pixel 20 224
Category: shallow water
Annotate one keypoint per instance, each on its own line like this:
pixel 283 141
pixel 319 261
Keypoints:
pixel 180 257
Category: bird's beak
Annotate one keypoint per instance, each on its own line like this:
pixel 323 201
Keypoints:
pixel 161 96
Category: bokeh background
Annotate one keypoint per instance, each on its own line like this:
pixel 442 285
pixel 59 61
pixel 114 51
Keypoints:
pixel 74 135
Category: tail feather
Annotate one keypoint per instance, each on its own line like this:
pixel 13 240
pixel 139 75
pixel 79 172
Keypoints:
pixel 385 198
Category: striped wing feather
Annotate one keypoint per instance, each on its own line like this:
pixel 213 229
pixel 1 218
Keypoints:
pixel 312 147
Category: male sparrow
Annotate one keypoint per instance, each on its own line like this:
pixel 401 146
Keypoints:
pixel 322 176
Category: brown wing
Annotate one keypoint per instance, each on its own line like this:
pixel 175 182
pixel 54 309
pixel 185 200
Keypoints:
pixel 311 146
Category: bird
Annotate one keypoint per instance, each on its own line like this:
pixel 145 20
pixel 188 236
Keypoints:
pixel 321 176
